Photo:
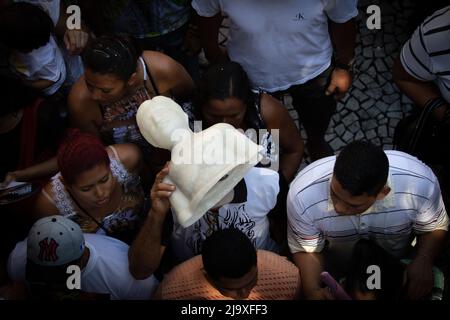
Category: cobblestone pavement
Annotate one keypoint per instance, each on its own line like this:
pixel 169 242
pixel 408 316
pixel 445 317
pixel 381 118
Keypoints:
pixel 374 105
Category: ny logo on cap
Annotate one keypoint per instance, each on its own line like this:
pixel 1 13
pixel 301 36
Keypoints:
pixel 48 250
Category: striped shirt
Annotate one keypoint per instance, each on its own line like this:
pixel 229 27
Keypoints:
pixel 426 56
pixel 413 206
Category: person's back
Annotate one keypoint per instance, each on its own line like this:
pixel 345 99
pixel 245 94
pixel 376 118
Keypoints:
pixel 106 271
pixel 230 267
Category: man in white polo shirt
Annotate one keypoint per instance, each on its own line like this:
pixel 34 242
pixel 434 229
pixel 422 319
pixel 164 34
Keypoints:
pixel 365 193
pixel 422 71
pixel 288 45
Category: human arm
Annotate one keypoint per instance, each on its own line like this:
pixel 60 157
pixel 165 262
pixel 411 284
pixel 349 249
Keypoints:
pixel 343 37
pixel 40 170
pixel 419 91
pixel 192 44
pixel 311 265
pixel 413 73
pixel 306 243
pixel 146 250
pixel 209 33
pixel 430 225
pixel 419 273
pixel 277 117
pixel 171 78
pixel 84 113
pixel 75 40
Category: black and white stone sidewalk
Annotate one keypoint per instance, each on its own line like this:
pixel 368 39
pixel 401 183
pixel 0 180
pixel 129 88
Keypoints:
pixel 374 105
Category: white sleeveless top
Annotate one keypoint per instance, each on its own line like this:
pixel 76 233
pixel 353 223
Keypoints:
pixel 125 215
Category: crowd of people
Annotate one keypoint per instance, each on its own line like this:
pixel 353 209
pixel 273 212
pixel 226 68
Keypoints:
pixel 84 186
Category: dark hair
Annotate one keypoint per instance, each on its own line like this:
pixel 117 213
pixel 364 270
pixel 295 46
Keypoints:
pixel 228 253
pixel 14 94
pixel 222 81
pixel 367 253
pixel 113 54
pixel 25 27
pixel 78 153
pixel 362 167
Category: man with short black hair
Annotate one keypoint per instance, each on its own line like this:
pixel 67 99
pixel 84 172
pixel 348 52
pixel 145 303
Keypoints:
pixel 231 267
pixel 365 193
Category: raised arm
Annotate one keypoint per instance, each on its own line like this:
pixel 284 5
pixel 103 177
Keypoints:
pixel 277 117
pixel 147 249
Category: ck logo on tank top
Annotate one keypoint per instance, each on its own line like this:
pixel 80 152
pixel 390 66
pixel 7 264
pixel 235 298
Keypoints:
pixel 48 250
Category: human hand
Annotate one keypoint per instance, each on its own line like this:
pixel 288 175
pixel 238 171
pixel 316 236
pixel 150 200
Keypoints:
pixel 419 278
pixel 75 40
pixel 10 177
pixel 340 83
pixel 160 193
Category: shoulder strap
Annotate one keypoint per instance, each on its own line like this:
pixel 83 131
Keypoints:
pixel 152 80
pixel 428 109
pixel 116 155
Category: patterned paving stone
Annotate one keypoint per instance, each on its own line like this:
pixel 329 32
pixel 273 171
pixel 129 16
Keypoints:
pixel 374 105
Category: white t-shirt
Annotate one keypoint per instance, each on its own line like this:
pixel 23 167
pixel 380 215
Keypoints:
pixel 279 43
pixel 45 62
pixel 255 196
pixel 51 7
pixel 425 56
pixel 413 206
pixel 105 273
pixel 73 68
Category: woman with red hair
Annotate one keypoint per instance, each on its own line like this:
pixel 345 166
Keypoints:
pixel 97 187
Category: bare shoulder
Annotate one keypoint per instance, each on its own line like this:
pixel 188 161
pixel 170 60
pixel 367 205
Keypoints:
pixel 84 112
pixel 272 111
pixel 159 61
pixel 79 98
pixel 128 153
pixel 166 70
pixel 171 78
pixel 43 206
